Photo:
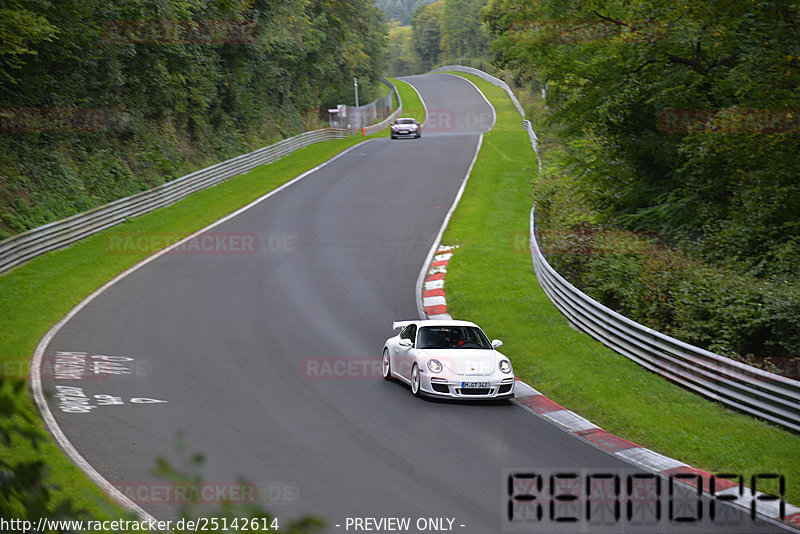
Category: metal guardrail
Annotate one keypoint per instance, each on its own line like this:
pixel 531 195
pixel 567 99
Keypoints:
pixel 358 119
pixel 27 245
pixel 745 388
pixel 503 85
pixel 368 130
pixel 735 384
pixel 488 77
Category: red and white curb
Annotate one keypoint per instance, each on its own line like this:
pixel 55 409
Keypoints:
pixel 433 300
pixel 435 305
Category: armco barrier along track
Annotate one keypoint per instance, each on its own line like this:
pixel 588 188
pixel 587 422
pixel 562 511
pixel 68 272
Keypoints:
pixel 745 388
pixel 742 387
pixel 27 245
pixel 369 130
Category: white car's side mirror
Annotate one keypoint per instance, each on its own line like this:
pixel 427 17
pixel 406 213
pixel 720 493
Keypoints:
pixel 496 343
pixel 405 343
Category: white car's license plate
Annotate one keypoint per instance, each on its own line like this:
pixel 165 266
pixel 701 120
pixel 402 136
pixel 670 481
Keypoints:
pixel 474 384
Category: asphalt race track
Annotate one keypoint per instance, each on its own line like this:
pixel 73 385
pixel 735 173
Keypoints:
pixel 243 344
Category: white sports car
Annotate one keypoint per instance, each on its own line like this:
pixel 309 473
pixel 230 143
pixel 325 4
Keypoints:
pixel 452 359
pixel 405 127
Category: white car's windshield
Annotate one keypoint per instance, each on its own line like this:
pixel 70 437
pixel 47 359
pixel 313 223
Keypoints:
pixel 405 121
pixel 452 337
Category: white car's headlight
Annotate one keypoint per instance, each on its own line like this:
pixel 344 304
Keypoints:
pixel 505 366
pixel 434 366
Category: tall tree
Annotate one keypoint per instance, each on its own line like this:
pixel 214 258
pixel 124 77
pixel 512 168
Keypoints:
pixel 402 58
pixel 462 30
pixel 20 28
pixel 169 79
pixel 680 117
pixel 427 32
pixel 400 10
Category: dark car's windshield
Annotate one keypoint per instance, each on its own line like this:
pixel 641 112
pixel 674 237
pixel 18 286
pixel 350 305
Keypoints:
pixel 452 337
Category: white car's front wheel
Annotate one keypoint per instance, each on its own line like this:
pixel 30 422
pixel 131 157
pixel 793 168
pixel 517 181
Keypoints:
pixel 386 365
pixel 415 381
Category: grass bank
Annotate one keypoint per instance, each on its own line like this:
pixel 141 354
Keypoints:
pixel 490 280
pixel 412 105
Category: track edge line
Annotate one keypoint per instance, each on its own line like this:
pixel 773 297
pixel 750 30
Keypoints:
pixel 34 377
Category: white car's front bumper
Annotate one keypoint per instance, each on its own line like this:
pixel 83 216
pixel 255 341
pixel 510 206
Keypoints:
pixel 490 387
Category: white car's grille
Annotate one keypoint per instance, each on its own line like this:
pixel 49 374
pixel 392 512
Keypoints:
pixel 475 391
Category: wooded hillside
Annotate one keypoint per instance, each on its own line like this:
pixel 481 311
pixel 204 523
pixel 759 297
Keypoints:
pixel 100 100
pixel 671 189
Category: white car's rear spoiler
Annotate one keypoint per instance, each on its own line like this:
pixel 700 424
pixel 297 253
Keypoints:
pixel 400 324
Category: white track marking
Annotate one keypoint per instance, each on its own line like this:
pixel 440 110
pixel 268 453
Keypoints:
pixel 424 107
pixel 650 459
pixel 521 389
pixel 494 113
pixel 35 375
pixel 433 301
pixel 570 420
pixel 437 241
pixel 434 284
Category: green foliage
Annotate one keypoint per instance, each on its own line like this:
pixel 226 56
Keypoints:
pixel 400 11
pixel 449 29
pixel 716 308
pixel 412 104
pixel 685 221
pixel 27 491
pixel 166 103
pixel 490 281
pixel 402 58
pixel 427 32
pixel 462 31
pixel 189 477
pixel 20 29
pixel 619 73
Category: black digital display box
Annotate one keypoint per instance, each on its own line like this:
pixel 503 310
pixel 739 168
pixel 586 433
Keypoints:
pixel 605 501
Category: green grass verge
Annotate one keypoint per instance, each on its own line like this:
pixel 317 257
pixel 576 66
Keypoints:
pixel 490 280
pixel 412 105
pixel 38 294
